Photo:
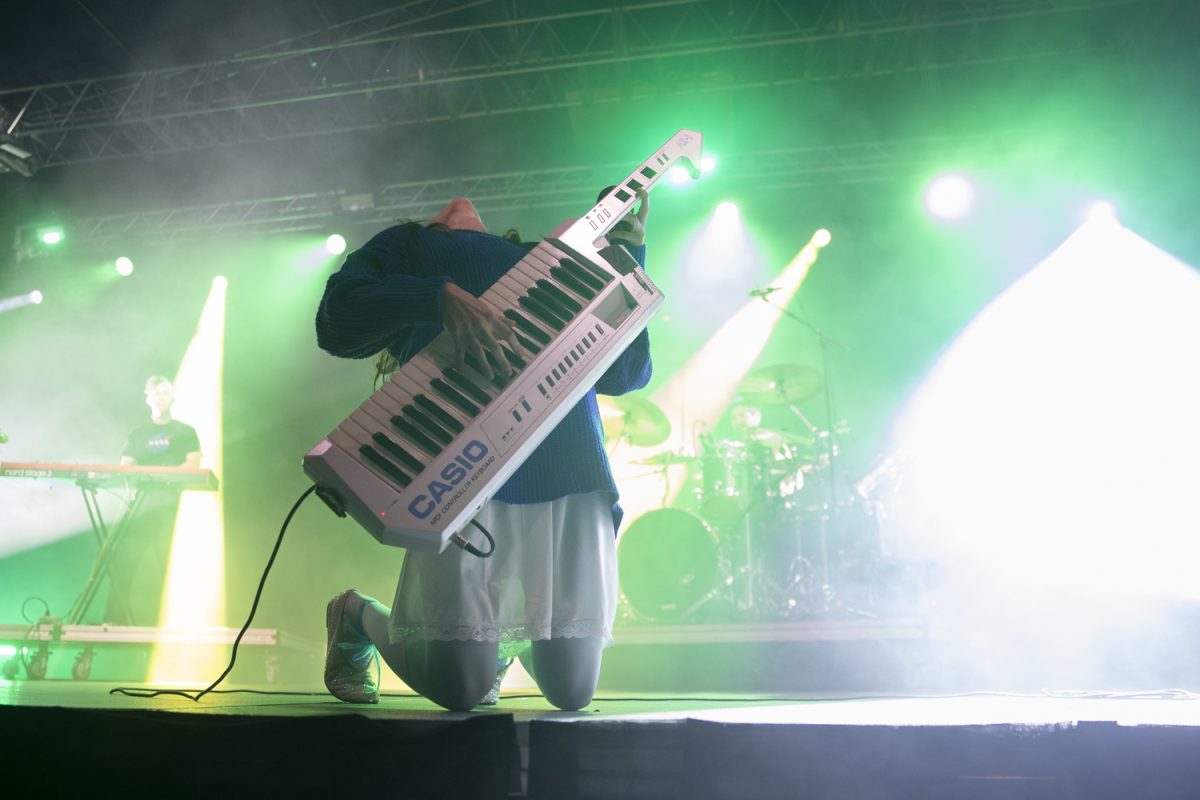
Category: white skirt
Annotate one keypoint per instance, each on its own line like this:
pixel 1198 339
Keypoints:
pixel 553 575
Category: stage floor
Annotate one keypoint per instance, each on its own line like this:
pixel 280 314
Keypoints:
pixel 1166 707
pixel 655 745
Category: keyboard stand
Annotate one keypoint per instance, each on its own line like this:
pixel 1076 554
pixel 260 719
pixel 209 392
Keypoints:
pixel 107 541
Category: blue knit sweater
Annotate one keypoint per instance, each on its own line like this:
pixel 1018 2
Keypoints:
pixel 388 295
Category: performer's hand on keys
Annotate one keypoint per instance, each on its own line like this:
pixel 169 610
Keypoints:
pixel 631 230
pixel 476 329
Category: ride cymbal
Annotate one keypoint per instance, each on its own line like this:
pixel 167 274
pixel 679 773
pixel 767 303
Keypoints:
pixel 634 419
pixel 781 384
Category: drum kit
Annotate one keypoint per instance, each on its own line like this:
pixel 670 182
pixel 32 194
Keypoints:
pixel 757 534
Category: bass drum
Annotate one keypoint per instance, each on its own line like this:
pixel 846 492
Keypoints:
pixel 668 564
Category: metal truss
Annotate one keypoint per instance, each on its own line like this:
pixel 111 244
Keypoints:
pixel 426 62
pixel 561 188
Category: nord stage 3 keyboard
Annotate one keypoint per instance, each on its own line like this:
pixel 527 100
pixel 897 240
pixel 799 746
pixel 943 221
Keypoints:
pixel 111 475
pixel 419 458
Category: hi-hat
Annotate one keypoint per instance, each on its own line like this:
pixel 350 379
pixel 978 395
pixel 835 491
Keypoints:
pixel 634 419
pixel 781 384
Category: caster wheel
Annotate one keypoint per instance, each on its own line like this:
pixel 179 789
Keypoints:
pixel 81 668
pixel 36 668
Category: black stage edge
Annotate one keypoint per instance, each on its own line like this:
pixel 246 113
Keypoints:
pixel 982 746
pixel 56 752
pixel 700 759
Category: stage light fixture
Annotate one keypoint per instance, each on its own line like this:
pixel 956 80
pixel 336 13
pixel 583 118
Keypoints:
pixel 727 213
pixel 14 158
pixel 335 244
pixel 1101 211
pixel 708 164
pixel 50 235
pixel 35 297
pixel 821 238
pixel 124 266
pixel 678 176
pixel 949 196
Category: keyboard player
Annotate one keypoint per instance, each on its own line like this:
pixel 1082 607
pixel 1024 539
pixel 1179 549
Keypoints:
pixel 549 592
pixel 138 567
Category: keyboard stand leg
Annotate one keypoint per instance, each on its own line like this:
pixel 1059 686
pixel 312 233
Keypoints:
pixel 108 542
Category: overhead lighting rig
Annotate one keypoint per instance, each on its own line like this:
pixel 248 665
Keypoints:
pixel 14 157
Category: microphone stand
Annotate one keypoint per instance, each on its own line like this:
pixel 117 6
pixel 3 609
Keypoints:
pixel 831 448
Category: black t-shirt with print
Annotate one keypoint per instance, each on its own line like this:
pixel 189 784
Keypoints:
pixel 165 445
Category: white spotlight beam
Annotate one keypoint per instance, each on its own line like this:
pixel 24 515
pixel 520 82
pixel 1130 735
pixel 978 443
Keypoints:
pixel 19 301
pixel 1054 443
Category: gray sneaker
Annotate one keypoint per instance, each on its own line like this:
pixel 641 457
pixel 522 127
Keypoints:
pixel 493 695
pixel 345 680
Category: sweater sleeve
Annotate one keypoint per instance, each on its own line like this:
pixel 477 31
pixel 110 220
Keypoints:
pixel 632 369
pixel 376 299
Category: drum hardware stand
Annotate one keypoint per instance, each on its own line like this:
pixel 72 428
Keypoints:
pixel 707 597
pixel 744 600
pixel 824 340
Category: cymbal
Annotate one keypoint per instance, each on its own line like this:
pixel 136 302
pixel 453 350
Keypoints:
pixel 781 384
pixel 634 419
pixel 667 459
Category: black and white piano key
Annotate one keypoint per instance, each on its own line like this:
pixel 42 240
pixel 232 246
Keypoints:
pixel 455 397
pixel 447 415
pixel 506 301
pixel 543 291
pixel 407 415
pixel 534 273
pixel 471 388
pixel 544 309
pixel 375 417
pixel 552 270
pixel 413 433
pixel 536 309
pixel 421 390
pixel 592 274
pixel 465 391
pixel 361 445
